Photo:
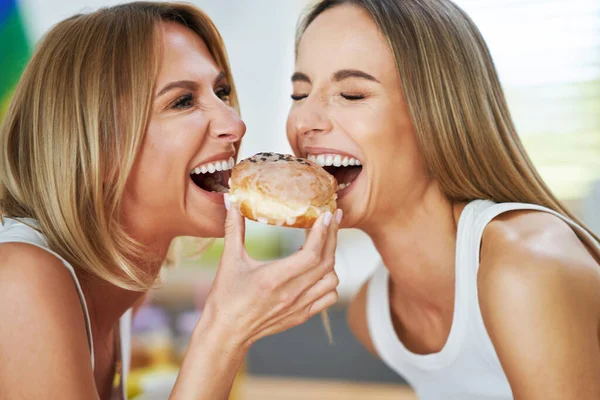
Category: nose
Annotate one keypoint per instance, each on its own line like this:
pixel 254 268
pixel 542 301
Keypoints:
pixel 308 120
pixel 226 125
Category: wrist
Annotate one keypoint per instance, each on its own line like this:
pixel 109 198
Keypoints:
pixel 213 331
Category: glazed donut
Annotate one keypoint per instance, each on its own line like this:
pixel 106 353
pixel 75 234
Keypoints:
pixel 280 189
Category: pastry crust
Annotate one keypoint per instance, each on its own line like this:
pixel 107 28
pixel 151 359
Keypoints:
pixel 280 189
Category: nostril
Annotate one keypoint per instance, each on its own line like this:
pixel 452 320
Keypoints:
pixel 227 136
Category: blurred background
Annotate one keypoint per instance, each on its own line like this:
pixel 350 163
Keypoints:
pixel 548 56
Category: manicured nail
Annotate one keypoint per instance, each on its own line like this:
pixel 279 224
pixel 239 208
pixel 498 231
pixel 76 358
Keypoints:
pixel 338 215
pixel 227 203
pixel 327 218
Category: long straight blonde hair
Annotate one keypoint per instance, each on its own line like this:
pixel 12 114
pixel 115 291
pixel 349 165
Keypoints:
pixel 75 126
pixel 457 106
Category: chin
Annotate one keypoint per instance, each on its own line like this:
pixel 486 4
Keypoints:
pixel 210 224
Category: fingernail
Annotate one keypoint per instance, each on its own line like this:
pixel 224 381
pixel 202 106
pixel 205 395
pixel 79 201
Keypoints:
pixel 227 203
pixel 338 215
pixel 327 218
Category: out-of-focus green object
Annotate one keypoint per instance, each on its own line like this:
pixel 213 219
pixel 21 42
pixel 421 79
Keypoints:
pixel 14 50
pixel 263 246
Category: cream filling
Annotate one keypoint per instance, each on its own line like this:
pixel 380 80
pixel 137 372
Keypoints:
pixel 264 208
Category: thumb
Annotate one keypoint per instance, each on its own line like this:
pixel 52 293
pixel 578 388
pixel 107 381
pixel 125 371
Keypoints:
pixel 235 227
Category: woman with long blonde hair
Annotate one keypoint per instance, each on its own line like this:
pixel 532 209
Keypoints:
pixel 116 125
pixel 489 288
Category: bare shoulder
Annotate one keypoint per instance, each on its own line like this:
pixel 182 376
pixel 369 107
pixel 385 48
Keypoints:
pixel 539 293
pixel 357 319
pixel 537 251
pixel 42 328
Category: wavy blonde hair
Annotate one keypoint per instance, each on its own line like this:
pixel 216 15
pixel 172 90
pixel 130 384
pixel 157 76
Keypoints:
pixel 458 109
pixel 76 124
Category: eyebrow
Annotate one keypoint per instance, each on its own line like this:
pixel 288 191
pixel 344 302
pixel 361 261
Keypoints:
pixel 337 76
pixel 190 85
pixel 300 77
pixel 353 73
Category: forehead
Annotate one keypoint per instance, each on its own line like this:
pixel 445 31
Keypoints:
pixel 184 52
pixel 344 37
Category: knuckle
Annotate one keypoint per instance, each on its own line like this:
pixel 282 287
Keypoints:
pixel 335 280
pixel 312 257
pixel 285 298
pixel 335 296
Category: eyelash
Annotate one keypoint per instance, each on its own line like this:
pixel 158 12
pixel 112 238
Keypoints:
pixel 184 101
pixel 349 97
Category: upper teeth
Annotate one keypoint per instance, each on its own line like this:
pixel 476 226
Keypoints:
pixel 214 166
pixel 327 160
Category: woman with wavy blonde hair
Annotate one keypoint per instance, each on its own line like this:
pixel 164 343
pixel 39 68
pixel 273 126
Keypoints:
pixel 116 125
pixel 489 287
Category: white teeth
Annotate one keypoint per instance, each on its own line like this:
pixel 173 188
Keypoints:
pixel 343 186
pixel 216 166
pixel 337 161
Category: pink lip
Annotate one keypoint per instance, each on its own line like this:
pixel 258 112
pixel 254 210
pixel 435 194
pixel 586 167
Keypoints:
pixel 217 157
pixel 325 150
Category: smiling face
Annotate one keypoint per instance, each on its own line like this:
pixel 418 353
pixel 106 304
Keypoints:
pixel 348 104
pixel 189 144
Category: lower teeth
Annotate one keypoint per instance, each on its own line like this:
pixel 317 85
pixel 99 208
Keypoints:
pixel 342 186
pixel 214 186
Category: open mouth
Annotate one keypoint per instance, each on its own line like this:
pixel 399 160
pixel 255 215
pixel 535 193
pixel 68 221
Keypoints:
pixel 214 176
pixel 343 168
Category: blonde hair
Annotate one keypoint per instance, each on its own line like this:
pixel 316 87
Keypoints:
pixel 75 126
pixel 458 109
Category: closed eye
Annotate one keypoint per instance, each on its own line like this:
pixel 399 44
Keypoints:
pixel 352 97
pixel 298 97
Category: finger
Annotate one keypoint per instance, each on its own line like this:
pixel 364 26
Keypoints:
pixel 310 254
pixel 302 300
pixel 326 262
pixel 331 241
pixel 323 303
pixel 325 285
pixel 235 228
pixel 300 316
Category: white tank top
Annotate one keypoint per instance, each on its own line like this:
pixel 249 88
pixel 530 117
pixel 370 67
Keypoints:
pixel 23 230
pixel 467 367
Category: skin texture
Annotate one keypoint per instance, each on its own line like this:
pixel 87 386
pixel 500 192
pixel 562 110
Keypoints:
pixel 552 312
pixel 42 334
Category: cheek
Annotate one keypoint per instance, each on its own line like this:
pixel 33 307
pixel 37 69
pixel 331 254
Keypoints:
pixel 291 134
pixel 364 124
pixel 166 154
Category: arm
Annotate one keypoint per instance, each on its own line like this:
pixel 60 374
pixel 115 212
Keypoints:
pixel 250 300
pixel 539 298
pixel 43 343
